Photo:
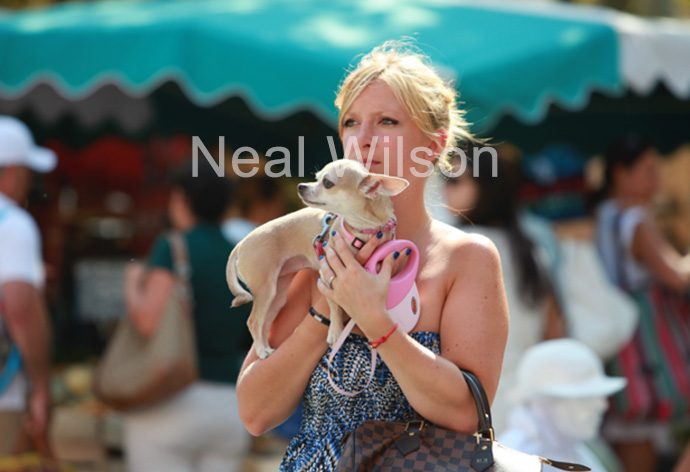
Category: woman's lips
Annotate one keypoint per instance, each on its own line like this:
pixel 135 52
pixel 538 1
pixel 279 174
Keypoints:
pixel 369 162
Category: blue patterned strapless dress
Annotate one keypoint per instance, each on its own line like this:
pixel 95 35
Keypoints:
pixel 328 415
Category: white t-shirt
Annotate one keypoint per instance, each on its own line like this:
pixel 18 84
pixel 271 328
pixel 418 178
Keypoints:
pixel 615 233
pixel 20 261
pixel 235 229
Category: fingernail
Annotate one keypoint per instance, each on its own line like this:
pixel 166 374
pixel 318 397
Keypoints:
pixel 321 257
pixel 407 253
pixel 325 243
pixel 332 233
pixel 379 235
pixel 396 255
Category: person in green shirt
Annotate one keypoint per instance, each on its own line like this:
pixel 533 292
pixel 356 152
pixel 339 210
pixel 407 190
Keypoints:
pixel 198 429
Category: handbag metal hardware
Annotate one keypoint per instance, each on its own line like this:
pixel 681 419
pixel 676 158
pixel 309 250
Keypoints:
pixel 481 436
pixel 421 424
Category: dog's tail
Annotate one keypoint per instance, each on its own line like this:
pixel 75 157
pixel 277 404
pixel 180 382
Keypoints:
pixel 241 295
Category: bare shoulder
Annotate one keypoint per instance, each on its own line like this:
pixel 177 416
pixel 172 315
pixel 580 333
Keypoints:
pixel 471 248
pixel 474 318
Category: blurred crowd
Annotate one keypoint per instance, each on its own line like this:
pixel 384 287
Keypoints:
pixel 597 365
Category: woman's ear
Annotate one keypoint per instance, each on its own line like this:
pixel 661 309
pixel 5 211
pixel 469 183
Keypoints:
pixel 440 145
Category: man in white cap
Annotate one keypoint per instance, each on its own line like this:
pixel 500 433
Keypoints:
pixel 561 395
pixel 24 327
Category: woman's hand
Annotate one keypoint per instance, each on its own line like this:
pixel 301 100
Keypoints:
pixel 147 293
pixel 134 275
pixel 355 290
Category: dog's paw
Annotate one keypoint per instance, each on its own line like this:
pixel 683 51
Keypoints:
pixel 333 336
pixel 265 352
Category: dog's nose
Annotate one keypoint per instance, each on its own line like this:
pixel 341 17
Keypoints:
pixel 302 188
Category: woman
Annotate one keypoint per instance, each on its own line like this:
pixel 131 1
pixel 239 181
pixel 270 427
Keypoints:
pixel 198 429
pixel 636 255
pixel 632 182
pixel 489 203
pixel 391 103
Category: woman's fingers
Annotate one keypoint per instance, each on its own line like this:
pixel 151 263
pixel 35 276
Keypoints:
pixel 339 248
pixel 326 277
pixel 326 272
pixel 326 291
pixel 387 264
pixel 368 249
pixel 334 258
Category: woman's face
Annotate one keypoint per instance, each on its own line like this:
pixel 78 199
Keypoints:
pixel 461 192
pixel 16 182
pixel 641 180
pixel 576 418
pixel 179 211
pixel 377 126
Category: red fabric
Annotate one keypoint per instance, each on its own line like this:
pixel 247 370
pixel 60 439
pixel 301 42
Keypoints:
pixel 110 162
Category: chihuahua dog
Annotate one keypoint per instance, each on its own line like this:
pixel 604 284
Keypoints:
pixel 270 256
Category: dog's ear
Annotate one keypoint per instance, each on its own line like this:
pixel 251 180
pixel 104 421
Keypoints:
pixel 374 185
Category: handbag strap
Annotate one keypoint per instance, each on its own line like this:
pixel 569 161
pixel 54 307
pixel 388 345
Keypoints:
pixel 13 362
pixel 619 255
pixel 12 365
pixel 181 263
pixel 484 426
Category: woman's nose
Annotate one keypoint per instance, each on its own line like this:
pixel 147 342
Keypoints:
pixel 365 136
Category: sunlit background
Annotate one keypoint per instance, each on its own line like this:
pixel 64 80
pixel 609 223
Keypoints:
pixel 118 90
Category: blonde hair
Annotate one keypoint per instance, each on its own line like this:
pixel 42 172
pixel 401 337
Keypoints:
pixel 430 101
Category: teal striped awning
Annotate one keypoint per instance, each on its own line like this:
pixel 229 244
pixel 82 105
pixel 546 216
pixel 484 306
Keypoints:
pixel 283 56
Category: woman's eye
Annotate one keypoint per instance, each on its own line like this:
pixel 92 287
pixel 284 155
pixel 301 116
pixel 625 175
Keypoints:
pixel 389 121
pixel 348 123
pixel 327 183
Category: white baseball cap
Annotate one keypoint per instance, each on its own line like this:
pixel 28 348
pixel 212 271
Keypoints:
pixel 564 368
pixel 17 147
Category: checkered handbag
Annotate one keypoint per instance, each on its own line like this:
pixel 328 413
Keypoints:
pixel 381 446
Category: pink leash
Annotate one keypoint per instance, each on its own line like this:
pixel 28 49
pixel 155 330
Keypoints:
pixel 402 302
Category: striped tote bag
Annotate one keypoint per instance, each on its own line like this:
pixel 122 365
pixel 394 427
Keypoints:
pixel 656 361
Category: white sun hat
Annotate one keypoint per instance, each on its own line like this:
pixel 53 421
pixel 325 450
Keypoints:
pixel 564 368
pixel 17 147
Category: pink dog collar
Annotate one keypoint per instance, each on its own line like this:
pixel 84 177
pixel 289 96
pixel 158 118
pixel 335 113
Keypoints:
pixel 358 243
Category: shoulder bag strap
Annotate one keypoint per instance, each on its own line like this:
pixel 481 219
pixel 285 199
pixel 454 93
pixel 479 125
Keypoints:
pixel 619 254
pixel 181 263
pixel 10 369
pixel 13 362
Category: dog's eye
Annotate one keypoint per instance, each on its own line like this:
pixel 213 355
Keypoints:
pixel 327 183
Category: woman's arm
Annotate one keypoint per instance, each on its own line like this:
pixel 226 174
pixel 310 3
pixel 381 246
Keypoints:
pixel 146 296
pixel 554 327
pixel 473 328
pixel 269 390
pixel 651 248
